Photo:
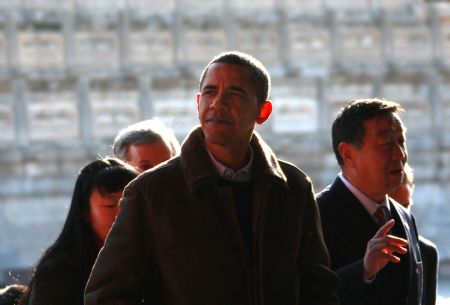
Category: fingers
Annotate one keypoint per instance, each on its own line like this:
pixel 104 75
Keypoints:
pixel 389 247
pixel 394 240
pixel 385 228
pixel 389 242
pixel 383 248
pixel 385 255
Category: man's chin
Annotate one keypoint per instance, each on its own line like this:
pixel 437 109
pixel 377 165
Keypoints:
pixel 393 184
pixel 215 138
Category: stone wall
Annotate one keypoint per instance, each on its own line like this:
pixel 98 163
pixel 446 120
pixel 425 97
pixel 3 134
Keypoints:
pixel 72 73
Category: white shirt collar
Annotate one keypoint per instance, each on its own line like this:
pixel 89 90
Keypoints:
pixel 370 205
pixel 241 175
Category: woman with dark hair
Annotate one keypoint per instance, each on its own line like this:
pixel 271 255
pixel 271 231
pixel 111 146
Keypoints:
pixel 62 272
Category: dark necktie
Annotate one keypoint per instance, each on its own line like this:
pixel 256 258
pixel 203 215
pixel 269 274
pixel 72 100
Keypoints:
pixel 381 215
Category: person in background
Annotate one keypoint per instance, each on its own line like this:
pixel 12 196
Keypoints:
pixel 430 257
pixel 372 240
pixel 146 144
pixel 226 222
pixel 403 193
pixel 61 274
pixel 12 294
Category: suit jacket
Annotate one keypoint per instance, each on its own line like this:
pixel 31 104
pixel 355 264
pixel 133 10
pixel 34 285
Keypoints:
pixel 347 227
pixel 430 260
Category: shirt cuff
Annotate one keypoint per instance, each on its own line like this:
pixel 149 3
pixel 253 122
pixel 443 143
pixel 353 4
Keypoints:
pixel 369 281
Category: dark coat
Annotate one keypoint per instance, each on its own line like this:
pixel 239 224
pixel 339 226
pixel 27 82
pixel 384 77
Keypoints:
pixel 347 227
pixel 58 280
pixel 430 260
pixel 177 237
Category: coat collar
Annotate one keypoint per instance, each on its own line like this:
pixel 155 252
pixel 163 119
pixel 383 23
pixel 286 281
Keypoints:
pixel 198 167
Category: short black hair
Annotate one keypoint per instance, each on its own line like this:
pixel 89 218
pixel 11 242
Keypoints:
pixel 259 74
pixel 348 126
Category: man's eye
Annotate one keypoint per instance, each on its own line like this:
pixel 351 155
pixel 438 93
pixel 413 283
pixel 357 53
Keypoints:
pixel 238 94
pixel 386 144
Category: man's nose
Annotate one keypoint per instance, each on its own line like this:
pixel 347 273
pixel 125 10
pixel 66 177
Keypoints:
pixel 219 102
pixel 400 152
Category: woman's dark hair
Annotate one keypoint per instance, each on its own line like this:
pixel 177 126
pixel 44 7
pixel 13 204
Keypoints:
pixel 108 175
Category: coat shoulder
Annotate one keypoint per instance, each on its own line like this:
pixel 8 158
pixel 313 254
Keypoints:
pixel 330 199
pixel 163 173
pixel 429 247
pixel 293 172
pixel 326 197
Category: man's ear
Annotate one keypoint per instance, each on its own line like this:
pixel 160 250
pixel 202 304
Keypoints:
pixel 346 152
pixel 264 112
pixel 198 101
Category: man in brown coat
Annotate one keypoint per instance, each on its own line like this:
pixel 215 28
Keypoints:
pixel 226 222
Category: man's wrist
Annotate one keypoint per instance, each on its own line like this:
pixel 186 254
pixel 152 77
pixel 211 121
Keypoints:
pixel 368 279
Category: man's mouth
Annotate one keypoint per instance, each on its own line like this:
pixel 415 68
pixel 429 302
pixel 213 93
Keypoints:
pixel 218 121
pixel 397 172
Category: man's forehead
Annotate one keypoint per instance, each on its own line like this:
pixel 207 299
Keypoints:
pixel 397 122
pixel 227 70
pixel 232 76
pixel 388 124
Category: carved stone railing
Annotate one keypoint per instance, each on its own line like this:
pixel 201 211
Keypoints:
pixel 72 73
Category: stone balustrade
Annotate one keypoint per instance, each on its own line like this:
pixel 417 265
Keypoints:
pixel 72 73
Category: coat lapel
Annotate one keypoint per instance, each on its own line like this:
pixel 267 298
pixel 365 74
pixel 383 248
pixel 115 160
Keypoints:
pixel 408 230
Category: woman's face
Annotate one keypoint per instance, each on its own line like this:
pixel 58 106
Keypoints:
pixel 102 212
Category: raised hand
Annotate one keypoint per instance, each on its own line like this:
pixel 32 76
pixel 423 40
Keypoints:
pixel 380 250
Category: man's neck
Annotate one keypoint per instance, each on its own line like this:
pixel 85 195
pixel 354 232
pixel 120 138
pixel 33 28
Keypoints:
pixel 232 157
pixel 379 198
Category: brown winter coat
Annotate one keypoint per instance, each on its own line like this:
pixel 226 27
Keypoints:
pixel 177 238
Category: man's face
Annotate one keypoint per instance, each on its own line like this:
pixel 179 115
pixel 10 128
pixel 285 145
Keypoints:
pixel 377 166
pixel 227 105
pixel 147 155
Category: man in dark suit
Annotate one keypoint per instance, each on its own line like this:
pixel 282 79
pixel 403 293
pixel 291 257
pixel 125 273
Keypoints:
pixel 372 241
pixel 430 257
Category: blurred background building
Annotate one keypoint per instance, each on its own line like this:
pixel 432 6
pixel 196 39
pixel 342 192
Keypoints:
pixel 73 72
